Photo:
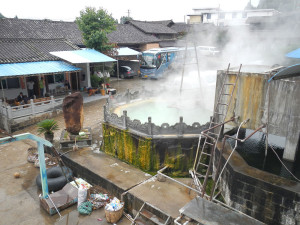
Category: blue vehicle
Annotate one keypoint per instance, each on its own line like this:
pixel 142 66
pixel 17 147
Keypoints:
pixel 156 61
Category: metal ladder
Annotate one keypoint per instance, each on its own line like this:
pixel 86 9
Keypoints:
pixel 150 216
pixel 204 158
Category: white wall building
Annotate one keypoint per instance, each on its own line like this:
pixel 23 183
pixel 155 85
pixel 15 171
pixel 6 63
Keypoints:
pixel 220 17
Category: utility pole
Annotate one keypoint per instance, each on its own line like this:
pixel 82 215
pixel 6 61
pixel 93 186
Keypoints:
pixel 128 13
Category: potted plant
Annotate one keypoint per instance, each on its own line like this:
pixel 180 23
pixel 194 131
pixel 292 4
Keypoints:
pixel 47 127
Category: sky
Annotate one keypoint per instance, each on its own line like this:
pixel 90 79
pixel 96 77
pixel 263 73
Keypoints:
pixel 149 10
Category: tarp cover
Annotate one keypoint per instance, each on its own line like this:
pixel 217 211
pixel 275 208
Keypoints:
pixel 31 68
pixel 294 54
pixel 127 52
pixel 83 56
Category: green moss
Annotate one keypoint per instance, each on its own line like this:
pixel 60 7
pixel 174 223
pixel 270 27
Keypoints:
pixel 143 153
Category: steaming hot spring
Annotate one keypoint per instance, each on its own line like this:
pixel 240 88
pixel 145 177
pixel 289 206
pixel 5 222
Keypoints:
pixel 192 103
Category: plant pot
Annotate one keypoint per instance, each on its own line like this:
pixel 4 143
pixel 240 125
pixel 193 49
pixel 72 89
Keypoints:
pixel 102 91
pixel 49 137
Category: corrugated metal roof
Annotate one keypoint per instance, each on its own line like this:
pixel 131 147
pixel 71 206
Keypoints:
pixel 127 51
pixel 30 68
pixel 294 54
pixel 291 71
pixel 83 56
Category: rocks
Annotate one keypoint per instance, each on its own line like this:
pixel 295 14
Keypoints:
pixel 73 112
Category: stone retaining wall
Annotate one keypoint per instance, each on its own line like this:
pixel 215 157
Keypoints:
pixel 264 196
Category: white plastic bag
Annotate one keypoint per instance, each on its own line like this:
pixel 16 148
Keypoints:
pixel 82 193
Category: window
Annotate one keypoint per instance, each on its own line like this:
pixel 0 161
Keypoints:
pixel 208 16
pixel 13 83
pixel 50 79
pixel 59 78
pixel 4 84
pixel 222 15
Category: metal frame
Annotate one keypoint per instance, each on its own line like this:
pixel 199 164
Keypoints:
pixel 40 143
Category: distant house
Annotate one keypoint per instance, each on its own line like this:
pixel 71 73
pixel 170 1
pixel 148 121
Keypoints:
pixel 144 35
pixel 36 57
pixel 126 35
pixel 226 17
pixel 41 29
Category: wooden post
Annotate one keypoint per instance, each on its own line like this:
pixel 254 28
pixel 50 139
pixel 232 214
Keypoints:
pixel 32 106
pixel 125 119
pixel 150 132
pixel 180 131
pixel 52 102
pixel 105 113
pixel 9 112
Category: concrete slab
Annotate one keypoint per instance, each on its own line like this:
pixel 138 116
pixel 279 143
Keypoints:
pixel 19 198
pixel 168 196
pixel 207 212
pixel 108 168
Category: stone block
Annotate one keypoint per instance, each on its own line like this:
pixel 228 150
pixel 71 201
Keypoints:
pixel 73 112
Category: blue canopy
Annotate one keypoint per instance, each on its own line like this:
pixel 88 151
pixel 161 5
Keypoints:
pixel 294 54
pixel 31 68
pixel 83 56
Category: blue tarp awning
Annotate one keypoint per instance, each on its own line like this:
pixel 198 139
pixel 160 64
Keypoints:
pixel 294 54
pixel 33 68
pixel 83 56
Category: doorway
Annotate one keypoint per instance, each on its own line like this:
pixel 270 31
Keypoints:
pixel 75 81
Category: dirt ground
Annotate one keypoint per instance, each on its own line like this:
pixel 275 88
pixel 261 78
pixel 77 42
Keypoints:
pixel 19 202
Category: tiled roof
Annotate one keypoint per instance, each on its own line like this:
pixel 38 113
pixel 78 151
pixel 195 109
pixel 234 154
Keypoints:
pixel 14 50
pixel 128 34
pixel 152 27
pixel 40 29
pixel 180 27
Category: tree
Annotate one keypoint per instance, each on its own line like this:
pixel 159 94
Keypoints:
pixel 1 16
pixel 95 25
pixel 124 19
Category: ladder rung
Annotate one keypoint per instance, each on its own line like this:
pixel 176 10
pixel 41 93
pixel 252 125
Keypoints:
pixel 219 113
pixel 222 104
pixel 225 94
pixel 209 143
pixel 199 175
pixel 206 153
pixel 230 84
pixel 203 164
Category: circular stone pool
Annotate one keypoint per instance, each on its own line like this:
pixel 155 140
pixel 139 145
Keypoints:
pixel 162 111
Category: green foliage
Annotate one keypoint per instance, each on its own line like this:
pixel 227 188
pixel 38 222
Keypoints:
pixel 95 25
pixel 47 126
pixel 95 80
pixel 124 19
pixel 1 16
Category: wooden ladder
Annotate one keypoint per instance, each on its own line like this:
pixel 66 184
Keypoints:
pixel 202 169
